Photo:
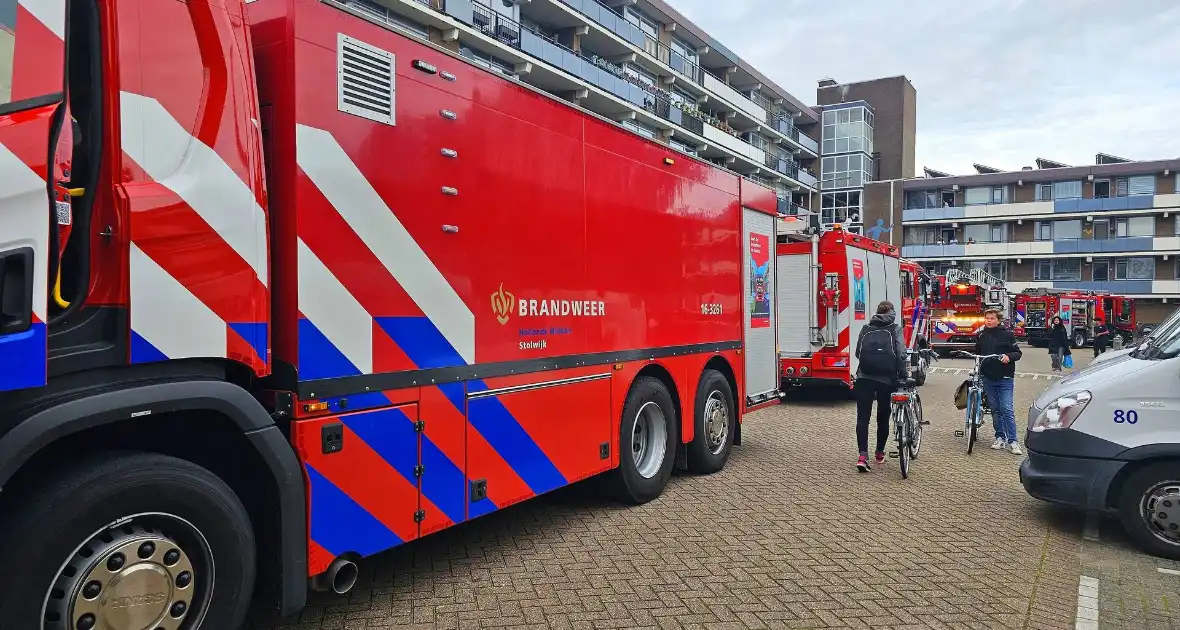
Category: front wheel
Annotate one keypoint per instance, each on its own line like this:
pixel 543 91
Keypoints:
pixel 974 417
pixel 1149 509
pixel 916 422
pixel 134 541
pixel 647 443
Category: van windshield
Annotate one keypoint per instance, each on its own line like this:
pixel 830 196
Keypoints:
pixel 1163 343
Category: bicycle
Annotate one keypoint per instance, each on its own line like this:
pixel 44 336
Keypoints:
pixel 976 400
pixel 908 422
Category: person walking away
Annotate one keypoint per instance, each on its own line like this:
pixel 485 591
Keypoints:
pixel 1101 336
pixel 1058 343
pixel 999 378
pixel 882 367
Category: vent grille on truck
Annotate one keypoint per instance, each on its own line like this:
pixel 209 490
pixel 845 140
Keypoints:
pixel 367 80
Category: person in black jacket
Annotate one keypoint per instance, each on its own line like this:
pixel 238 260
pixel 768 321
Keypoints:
pixel 998 378
pixel 881 368
pixel 1058 343
pixel 1101 336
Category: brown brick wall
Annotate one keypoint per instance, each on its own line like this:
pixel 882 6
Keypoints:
pixel 1025 193
pixel 1023 233
pixel 1153 311
pixel 875 202
pixel 1165 227
pixel 1165 184
pixel 1165 269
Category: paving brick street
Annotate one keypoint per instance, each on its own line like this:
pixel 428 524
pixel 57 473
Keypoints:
pixel 789 535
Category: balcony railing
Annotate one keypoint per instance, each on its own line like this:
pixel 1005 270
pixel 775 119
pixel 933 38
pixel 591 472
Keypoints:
pixel 495 25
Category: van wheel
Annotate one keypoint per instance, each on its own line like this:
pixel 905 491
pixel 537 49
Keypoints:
pixel 1149 509
pixel 133 541
pixel 647 443
pixel 716 423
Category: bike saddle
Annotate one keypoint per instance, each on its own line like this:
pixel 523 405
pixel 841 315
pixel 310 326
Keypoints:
pixel 909 383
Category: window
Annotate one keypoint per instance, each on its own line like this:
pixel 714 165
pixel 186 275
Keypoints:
pixel 999 232
pixel 1045 192
pixel 1070 229
pixel 1101 188
pixel 1067 190
pixel 1065 269
pixel 840 207
pixel 997 268
pixel 922 199
pixel 1044 231
pixel 1043 270
pixel 1135 226
pixel 845 171
pixel 759 141
pixel 981 232
pixel 1101 271
pixel 488 61
pixel 847 130
pixel 1141 185
pixel 1141 268
pixel 680 146
pixel 641 74
pixel 1176 230
pixel 977 196
pixel 999 194
pixel 684 50
pixel 645 24
pixel 907 284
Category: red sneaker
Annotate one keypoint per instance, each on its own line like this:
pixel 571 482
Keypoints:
pixel 880 457
pixel 862 464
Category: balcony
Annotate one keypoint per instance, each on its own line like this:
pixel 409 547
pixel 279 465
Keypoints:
pixel 1104 245
pixel 978 250
pixel 807 178
pixel 1106 204
pixel 735 144
pixel 495 25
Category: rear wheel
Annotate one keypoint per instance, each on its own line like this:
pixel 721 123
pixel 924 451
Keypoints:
pixel 901 426
pixel 134 541
pixel 647 443
pixel 712 438
pixel 1079 339
pixel 1149 508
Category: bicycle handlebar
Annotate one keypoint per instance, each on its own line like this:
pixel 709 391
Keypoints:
pixel 978 357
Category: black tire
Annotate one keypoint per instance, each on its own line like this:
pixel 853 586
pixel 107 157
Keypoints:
pixel 900 421
pixel 920 376
pixel 1134 497
pixel 916 438
pixel 626 483
pixel 708 452
pixel 62 528
pixel 1079 339
pixel 973 425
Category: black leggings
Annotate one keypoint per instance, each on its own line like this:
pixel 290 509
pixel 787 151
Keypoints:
pixel 866 392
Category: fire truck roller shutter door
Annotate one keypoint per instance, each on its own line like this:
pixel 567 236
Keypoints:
pixel 759 288
pixel 794 312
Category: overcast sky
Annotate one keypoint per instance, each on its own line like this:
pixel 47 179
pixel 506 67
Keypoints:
pixel 1000 82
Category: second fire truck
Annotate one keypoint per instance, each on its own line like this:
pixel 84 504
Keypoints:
pixel 1079 310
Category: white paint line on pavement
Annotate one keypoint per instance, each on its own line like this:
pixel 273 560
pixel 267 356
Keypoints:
pixel 1087 616
pixel 1091 530
pixel 1168 571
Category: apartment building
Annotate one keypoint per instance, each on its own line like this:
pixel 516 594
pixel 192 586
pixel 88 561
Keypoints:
pixel 639 63
pixel 868 132
pixel 1112 226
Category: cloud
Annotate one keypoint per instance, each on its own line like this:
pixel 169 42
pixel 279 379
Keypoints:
pixel 1000 82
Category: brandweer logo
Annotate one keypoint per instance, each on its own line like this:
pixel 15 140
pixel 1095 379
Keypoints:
pixel 504 304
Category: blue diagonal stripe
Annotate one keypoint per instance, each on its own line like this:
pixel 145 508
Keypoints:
pixel 340 524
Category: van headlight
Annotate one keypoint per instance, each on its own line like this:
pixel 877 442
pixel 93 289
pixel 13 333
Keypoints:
pixel 1061 413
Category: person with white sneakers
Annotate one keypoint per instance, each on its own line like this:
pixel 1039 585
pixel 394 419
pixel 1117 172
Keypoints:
pixel 999 378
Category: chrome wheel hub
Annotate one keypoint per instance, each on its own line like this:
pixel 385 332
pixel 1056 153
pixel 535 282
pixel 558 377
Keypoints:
pixel 1160 509
pixel 716 416
pixel 128 577
pixel 649 440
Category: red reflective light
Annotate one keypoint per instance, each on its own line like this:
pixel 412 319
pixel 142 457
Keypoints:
pixel 900 398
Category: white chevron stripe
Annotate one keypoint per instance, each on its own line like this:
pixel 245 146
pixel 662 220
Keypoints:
pixel 194 171
pixel 51 13
pixel 169 316
pixel 345 187
pixel 24 220
pixel 334 311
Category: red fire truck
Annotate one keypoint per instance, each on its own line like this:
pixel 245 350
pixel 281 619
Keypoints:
pixel 958 302
pixel 844 275
pixel 329 290
pixel 1035 308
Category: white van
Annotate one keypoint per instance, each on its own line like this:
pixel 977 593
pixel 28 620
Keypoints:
pixel 1170 321
pixel 1107 438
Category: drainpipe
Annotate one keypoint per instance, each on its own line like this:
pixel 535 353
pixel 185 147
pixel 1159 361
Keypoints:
pixel 892 223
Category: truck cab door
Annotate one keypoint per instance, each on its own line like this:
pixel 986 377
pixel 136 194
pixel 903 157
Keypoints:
pixel 32 57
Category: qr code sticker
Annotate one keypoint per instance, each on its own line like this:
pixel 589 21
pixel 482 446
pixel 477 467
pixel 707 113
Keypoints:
pixel 64 215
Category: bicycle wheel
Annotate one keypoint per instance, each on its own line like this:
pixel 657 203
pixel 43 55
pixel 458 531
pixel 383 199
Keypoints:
pixel 973 417
pixel 916 422
pixel 901 423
